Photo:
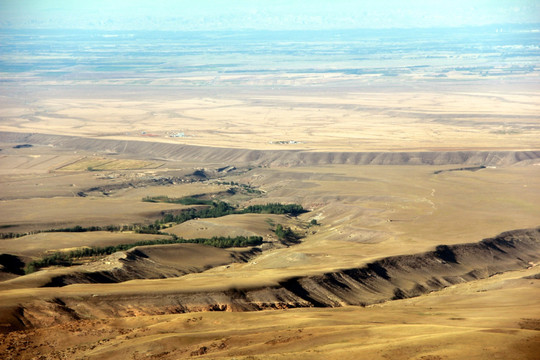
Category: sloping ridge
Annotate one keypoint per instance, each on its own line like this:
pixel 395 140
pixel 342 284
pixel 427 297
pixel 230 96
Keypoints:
pixel 386 279
pixel 407 276
pixel 155 262
pixel 167 151
pixel 141 262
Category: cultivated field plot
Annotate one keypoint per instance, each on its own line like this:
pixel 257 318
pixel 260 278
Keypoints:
pixel 233 225
pixel 32 163
pixel 189 189
pixel 33 214
pixel 104 164
pixel 39 244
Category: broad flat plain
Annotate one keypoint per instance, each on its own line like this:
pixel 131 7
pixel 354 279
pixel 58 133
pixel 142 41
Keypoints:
pixel 318 100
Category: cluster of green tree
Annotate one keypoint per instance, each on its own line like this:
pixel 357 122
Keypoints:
pixel 188 200
pixel 286 234
pixel 57 258
pixel 216 209
pixel 244 187
pixel 220 208
pixel 78 228
pixel 227 242
pixel 250 190
pixel 274 208
pixel 11 235
pixel 66 258
pixel 151 229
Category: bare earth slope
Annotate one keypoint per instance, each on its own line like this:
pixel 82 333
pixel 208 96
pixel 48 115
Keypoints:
pixel 386 279
pixel 447 324
pixel 189 153
pixel 454 323
pixel 142 262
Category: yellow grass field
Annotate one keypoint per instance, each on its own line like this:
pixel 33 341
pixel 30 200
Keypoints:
pixel 440 119
pixel 191 301
pixel 103 164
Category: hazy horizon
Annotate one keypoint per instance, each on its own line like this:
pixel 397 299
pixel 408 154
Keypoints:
pixel 262 15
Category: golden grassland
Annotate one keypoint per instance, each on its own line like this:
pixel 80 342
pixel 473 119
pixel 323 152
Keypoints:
pixel 50 213
pixel 233 225
pixel 103 164
pixel 364 213
pixel 483 319
pixel 449 118
pixel 37 245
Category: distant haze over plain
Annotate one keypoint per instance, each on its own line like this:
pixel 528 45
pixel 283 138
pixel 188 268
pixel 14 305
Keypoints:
pixel 204 15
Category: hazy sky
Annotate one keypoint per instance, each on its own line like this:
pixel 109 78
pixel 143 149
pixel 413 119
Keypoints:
pixel 262 14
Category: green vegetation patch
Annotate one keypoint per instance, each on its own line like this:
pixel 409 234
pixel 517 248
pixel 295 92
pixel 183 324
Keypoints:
pixel 274 208
pixel 240 187
pixel 216 209
pixel 220 208
pixel 188 200
pixel 286 234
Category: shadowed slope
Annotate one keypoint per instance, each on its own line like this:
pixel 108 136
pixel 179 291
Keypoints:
pixel 142 262
pixel 390 278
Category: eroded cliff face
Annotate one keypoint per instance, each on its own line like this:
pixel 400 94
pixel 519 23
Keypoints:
pixel 192 153
pixel 412 275
pixel 386 279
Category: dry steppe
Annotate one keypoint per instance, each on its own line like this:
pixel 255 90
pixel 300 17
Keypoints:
pixel 347 116
pixel 426 201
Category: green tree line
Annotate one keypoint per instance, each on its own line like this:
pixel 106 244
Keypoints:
pixel 221 208
pixel 188 200
pixel 216 209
